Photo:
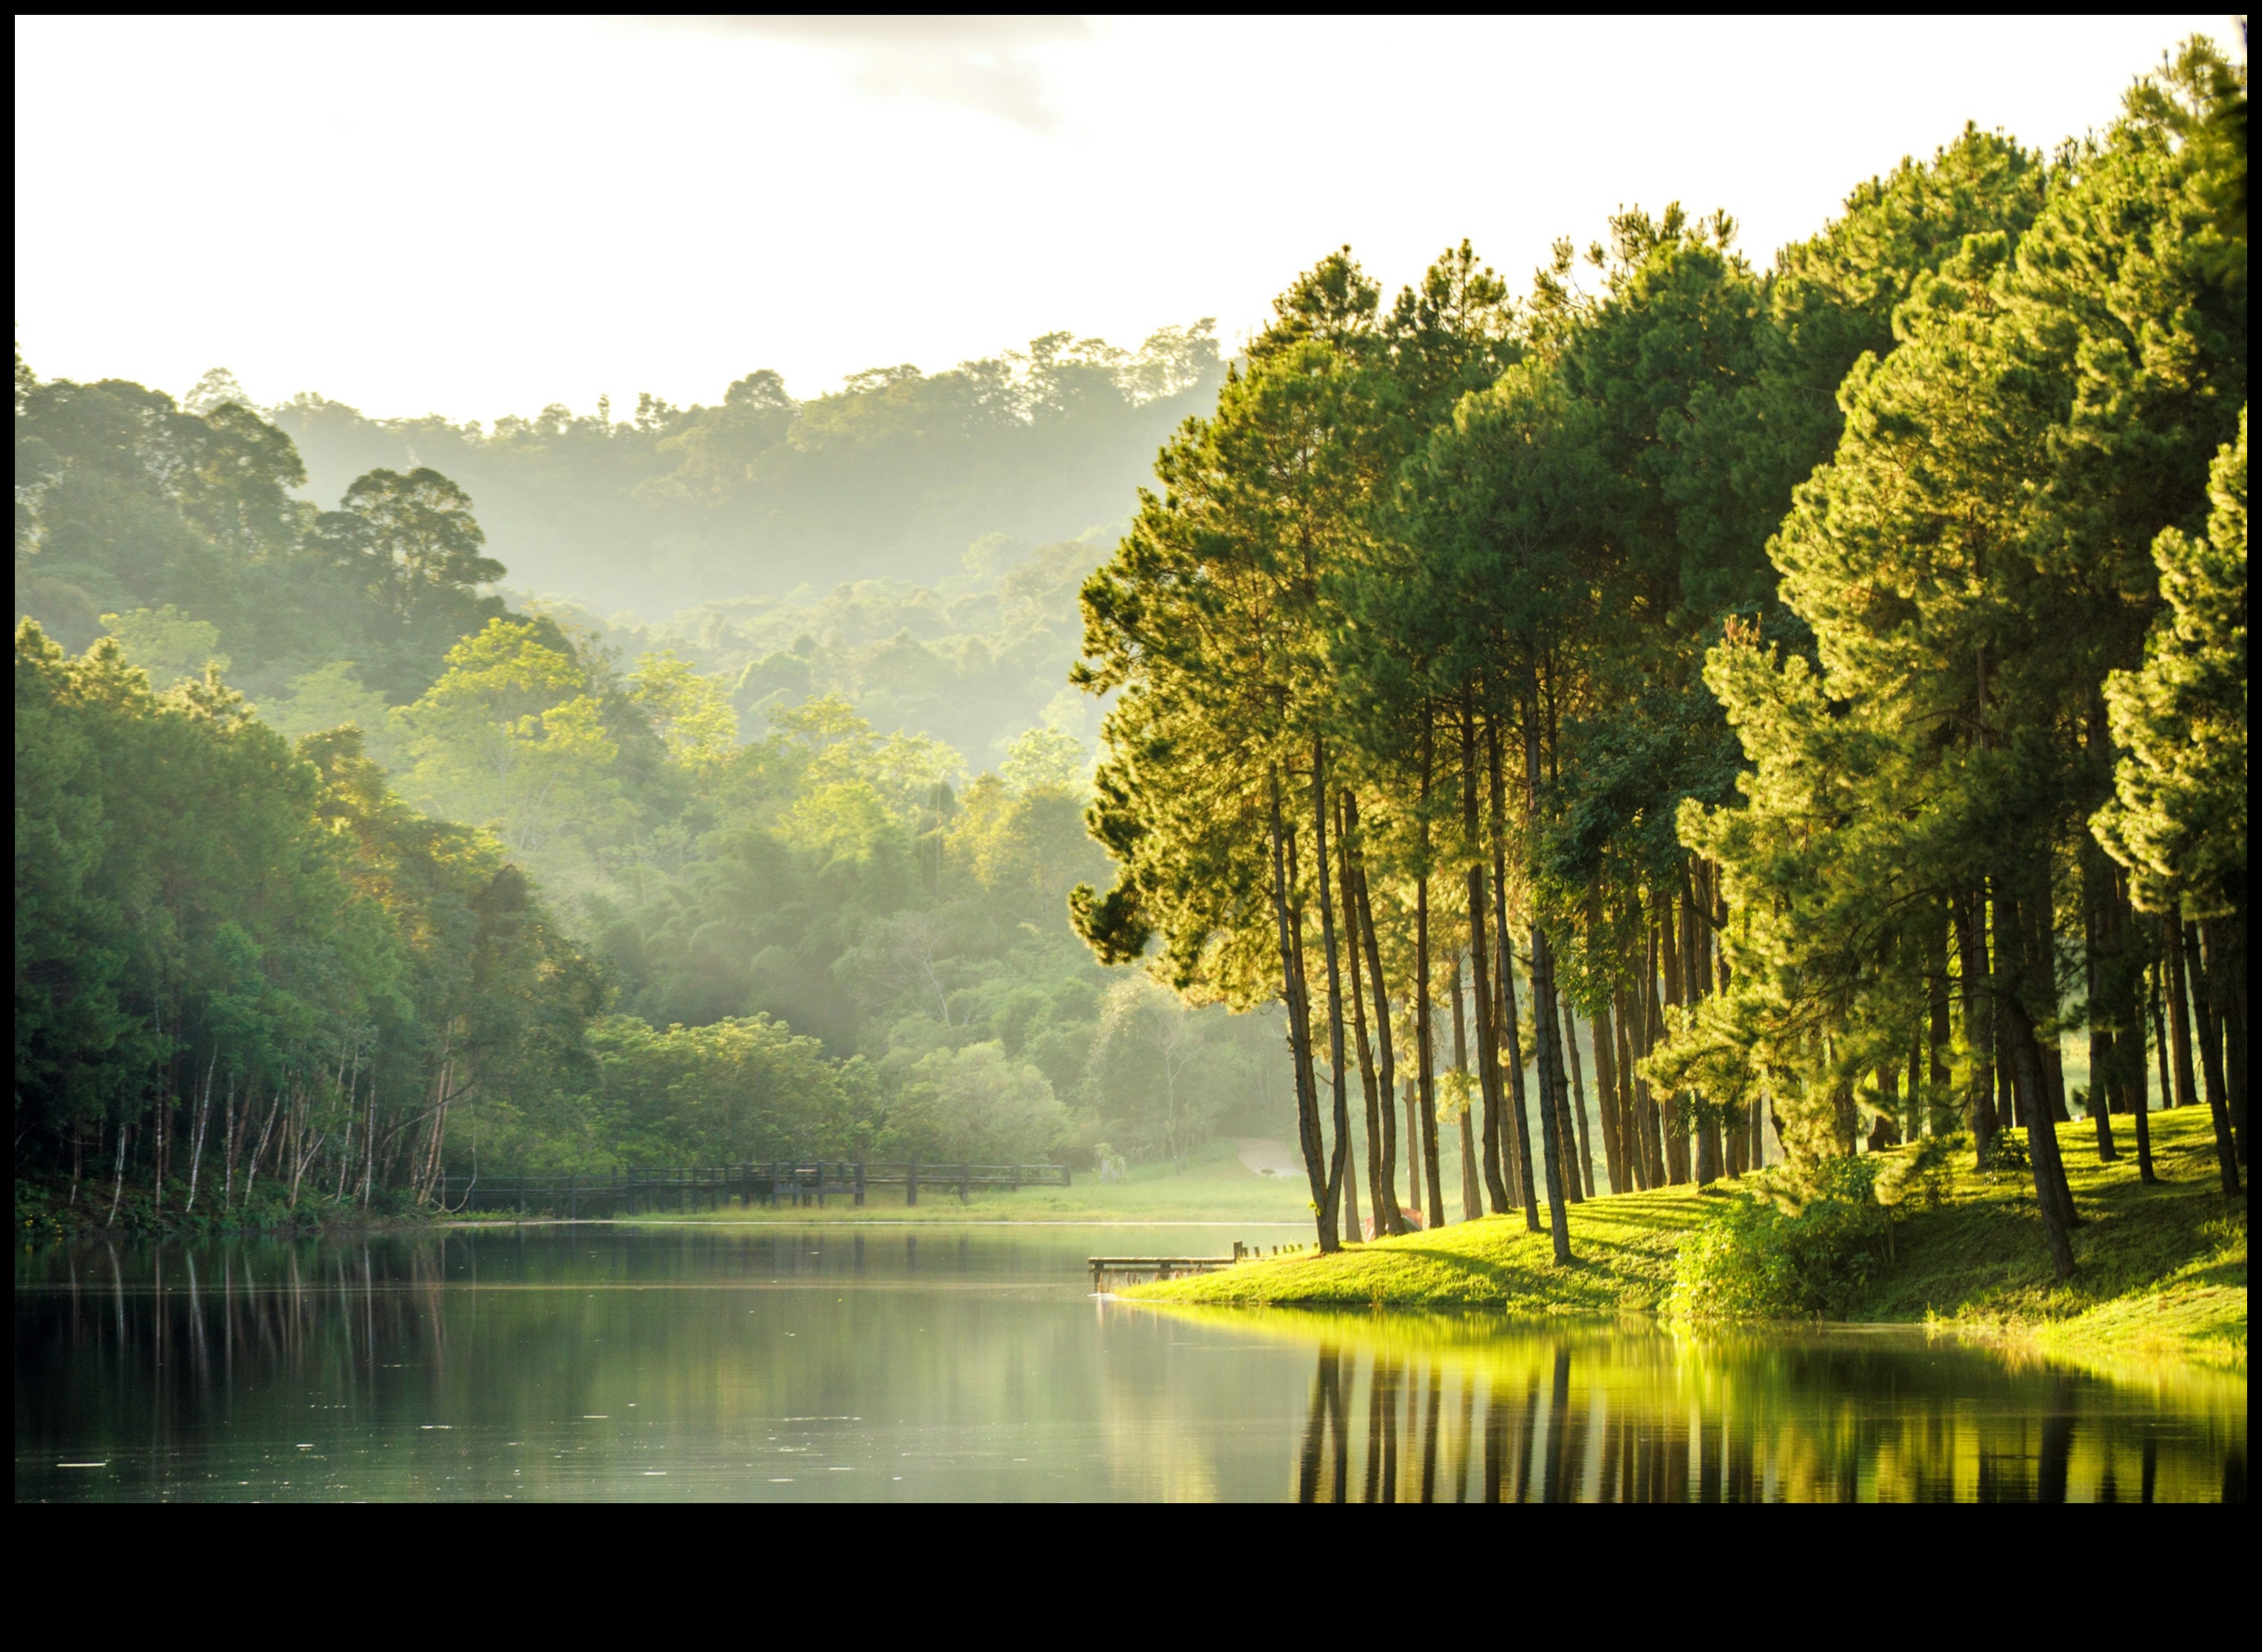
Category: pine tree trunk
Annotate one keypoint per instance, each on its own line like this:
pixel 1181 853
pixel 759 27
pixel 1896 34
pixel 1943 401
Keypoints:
pixel 1377 1183
pixel 1480 958
pixel 1606 1090
pixel 1425 1053
pixel 2041 1143
pixel 1518 1124
pixel 2026 974
pixel 1512 1168
pixel 2210 1058
pixel 1978 1020
pixel 1707 894
pixel 2179 1021
pixel 1299 1042
pixel 1916 1102
pixel 1636 1138
pixel 1675 1120
pixel 1472 1195
pixel 1694 935
pixel 1572 1188
pixel 1387 1208
pixel 2043 944
pixel 2153 973
pixel 2128 979
pixel 1653 1034
pixel 2226 993
pixel 1353 1227
pixel 1579 1100
pixel 1940 1081
pixel 1339 1161
pixel 1543 998
pixel 2095 901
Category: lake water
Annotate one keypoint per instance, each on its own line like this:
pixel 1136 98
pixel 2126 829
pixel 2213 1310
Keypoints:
pixel 838 1364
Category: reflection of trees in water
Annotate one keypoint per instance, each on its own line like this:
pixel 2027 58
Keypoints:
pixel 1607 1418
pixel 166 1328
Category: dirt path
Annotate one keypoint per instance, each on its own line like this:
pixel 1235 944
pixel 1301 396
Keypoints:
pixel 1267 1158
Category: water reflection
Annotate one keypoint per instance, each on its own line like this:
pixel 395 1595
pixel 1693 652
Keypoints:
pixel 873 1364
pixel 1463 1409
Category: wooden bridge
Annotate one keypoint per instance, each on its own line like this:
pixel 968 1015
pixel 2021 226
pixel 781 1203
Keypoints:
pixel 626 1191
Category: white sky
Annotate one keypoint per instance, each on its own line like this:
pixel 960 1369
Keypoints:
pixel 478 216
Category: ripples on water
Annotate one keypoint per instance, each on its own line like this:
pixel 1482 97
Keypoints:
pixel 892 1363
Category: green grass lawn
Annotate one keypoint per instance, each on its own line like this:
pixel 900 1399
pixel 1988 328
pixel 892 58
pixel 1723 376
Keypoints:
pixel 1210 1185
pixel 2160 1271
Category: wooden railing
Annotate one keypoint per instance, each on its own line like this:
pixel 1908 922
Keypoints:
pixel 800 1181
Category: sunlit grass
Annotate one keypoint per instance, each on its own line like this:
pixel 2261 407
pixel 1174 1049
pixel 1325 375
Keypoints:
pixel 2159 1270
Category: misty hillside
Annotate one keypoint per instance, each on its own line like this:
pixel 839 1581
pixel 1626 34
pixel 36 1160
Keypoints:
pixel 892 477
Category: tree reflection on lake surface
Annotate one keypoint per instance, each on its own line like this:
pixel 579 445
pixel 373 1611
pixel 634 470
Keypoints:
pixel 1444 1410
pixel 881 1362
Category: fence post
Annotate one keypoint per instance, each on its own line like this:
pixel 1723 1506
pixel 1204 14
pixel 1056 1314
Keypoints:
pixel 859 1184
pixel 965 1181
pixel 911 1187
pixel 573 1197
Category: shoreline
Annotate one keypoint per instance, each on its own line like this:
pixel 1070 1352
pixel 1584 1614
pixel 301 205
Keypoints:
pixel 734 1221
pixel 2161 1271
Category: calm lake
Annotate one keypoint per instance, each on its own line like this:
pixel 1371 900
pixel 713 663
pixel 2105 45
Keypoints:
pixel 835 1363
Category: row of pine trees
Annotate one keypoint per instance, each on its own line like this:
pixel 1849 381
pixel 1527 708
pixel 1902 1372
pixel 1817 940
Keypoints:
pixel 1828 682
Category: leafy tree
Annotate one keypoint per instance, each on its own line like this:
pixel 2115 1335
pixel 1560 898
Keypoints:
pixel 689 712
pixel 335 698
pixel 1044 759
pixel 511 736
pixel 974 1104
pixel 167 644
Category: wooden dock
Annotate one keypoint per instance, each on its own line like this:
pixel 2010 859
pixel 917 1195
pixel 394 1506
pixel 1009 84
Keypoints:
pixel 626 1191
pixel 1129 1269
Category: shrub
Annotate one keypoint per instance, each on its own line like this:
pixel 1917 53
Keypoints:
pixel 1802 1247
pixel 2006 1154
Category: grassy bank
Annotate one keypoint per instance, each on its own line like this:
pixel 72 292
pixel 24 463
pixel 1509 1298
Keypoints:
pixel 2159 1271
pixel 1210 1185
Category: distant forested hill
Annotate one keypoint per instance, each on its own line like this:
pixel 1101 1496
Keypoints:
pixel 892 477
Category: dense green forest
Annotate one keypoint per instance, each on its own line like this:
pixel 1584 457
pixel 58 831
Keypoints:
pixel 1824 682
pixel 1828 682
pixel 250 939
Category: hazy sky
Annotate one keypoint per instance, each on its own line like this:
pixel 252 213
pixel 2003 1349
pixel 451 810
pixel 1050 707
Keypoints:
pixel 478 216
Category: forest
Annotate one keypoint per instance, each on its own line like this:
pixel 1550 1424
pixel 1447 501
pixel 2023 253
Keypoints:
pixel 891 477
pixel 336 871
pixel 1688 713
pixel 1828 683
